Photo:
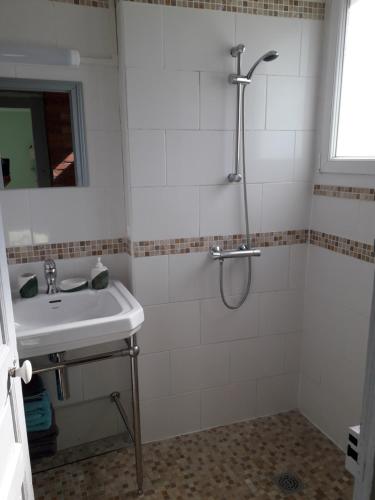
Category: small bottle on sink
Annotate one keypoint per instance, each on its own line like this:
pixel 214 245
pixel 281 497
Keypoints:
pixel 99 276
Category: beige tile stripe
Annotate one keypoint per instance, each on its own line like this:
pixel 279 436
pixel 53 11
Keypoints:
pixel 67 250
pixel 75 249
pixel 89 248
pixel 304 9
pixel 352 248
pixel 203 244
pixel 353 193
pixel 87 3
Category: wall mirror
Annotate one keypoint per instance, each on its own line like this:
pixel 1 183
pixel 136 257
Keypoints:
pixel 42 134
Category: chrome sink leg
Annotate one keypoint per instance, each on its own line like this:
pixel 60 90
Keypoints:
pixel 134 351
pixel 62 382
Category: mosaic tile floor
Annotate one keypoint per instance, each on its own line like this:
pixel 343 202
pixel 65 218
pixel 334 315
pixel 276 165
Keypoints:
pixel 235 462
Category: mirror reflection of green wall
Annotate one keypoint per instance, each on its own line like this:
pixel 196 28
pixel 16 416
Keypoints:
pixel 17 145
pixel 42 134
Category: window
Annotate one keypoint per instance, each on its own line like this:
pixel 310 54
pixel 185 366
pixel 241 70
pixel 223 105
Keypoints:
pixel 347 142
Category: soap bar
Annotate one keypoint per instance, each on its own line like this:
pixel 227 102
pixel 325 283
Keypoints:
pixel 73 285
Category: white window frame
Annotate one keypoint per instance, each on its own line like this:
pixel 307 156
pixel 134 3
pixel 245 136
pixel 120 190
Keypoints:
pixel 334 42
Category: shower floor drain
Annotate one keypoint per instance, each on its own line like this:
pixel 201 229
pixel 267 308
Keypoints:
pixel 288 483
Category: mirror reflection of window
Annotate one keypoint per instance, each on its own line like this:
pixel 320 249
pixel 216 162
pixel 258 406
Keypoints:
pixel 36 141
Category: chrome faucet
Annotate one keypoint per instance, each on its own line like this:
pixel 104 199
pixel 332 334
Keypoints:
pixel 50 273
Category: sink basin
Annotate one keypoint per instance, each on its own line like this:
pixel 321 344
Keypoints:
pixel 51 323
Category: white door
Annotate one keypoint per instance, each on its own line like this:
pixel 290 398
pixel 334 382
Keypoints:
pixel 15 471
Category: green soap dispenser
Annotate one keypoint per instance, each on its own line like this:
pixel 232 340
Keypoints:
pixel 99 276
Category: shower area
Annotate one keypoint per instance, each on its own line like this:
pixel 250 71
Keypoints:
pixel 250 311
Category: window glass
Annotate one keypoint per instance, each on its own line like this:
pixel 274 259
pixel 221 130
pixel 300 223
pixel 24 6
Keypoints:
pixel 356 117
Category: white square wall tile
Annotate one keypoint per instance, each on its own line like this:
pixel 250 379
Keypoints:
pixel 104 158
pixel 281 312
pixel 199 157
pixel 270 270
pixel 34 20
pixel 263 33
pixel 255 103
pixel 114 376
pixel 192 276
pixel 198 40
pixel 89 31
pixel 291 103
pixel 336 215
pixel 165 212
pixel 199 367
pixel 269 156
pixel 293 343
pixel 232 403
pixel 170 326
pixel 170 416
pixel 218 102
pixel 366 222
pixel 305 161
pixel 77 426
pixel 150 275
pixel 286 206
pixel 221 209
pixel 154 375
pixel 78 214
pixel 221 324
pixel 147 157
pixel 256 358
pixel 311 48
pixel 101 96
pixel 297 266
pixel 162 99
pixel 115 211
pixel 143 34
pixel 16 216
pixel 277 394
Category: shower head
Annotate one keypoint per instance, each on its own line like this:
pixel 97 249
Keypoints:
pixel 271 55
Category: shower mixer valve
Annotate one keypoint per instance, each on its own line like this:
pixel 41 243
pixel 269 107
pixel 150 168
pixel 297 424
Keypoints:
pixel 216 252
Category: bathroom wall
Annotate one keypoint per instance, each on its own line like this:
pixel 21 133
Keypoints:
pixel 201 364
pixel 337 303
pixel 40 221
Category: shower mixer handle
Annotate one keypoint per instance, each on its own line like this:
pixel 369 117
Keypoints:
pixel 217 253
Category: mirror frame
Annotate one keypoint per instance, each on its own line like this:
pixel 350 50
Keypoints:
pixel 75 90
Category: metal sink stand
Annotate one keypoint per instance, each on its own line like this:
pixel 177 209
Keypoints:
pixel 132 351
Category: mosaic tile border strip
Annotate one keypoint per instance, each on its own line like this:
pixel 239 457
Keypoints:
pixel 87 3
pixel 353 193
pixel 202 244
pixel 67 250
pixel 352 248
pixel 150 248
pixel 89 248
pixel 303 9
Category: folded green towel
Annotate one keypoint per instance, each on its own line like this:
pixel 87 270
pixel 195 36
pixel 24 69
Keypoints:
pixel 38 413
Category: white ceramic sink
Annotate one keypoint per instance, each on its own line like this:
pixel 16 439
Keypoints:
pixel 51 323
